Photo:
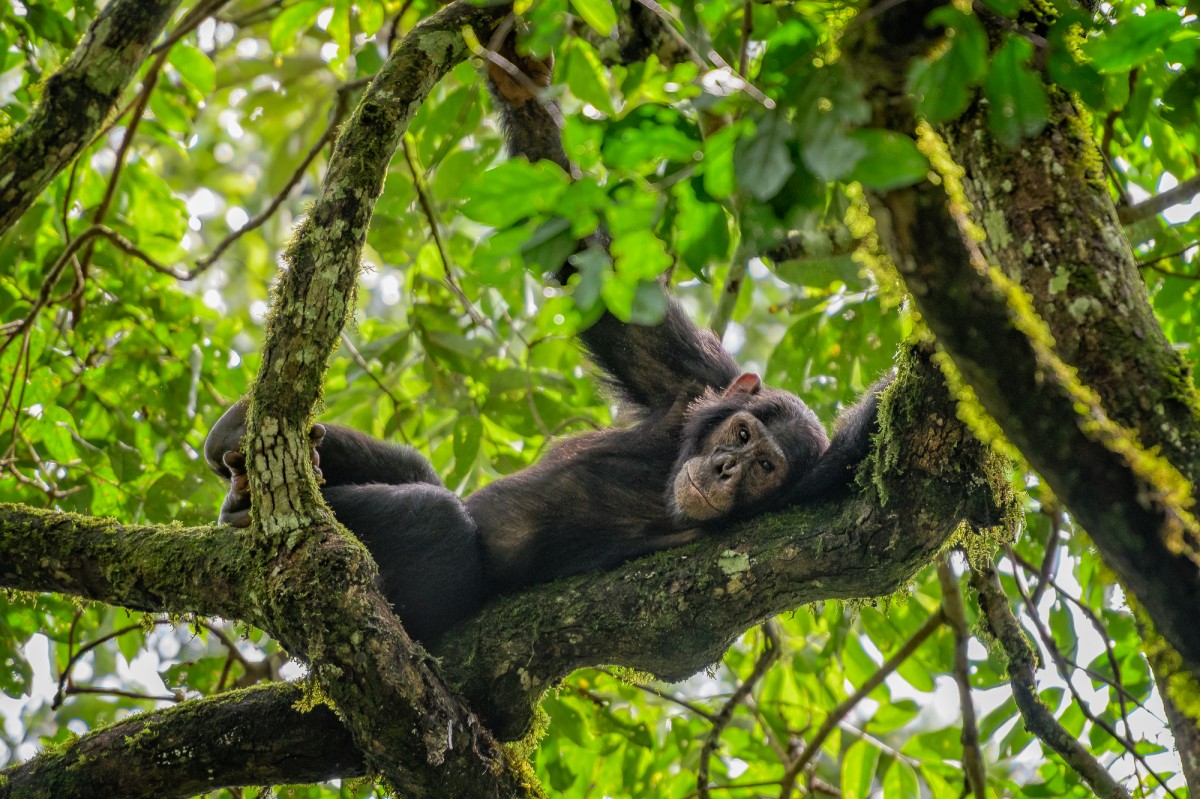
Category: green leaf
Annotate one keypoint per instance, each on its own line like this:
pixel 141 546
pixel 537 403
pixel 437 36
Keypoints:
pixel 513 191
pixel 1132 40
pixel 858 770
pixel 587 78
pixel 598 14
pixel 762 162
pixel 1019 107
pixel 900 782
pixel 942 86
pixel 291 22
pixel 891 160
pixel 194 66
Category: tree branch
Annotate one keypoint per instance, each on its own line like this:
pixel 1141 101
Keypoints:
pixel 1021 665
pixel 77 100
pixel 1182 193
pixel 255 736
pixel 201 570
pixel 956 617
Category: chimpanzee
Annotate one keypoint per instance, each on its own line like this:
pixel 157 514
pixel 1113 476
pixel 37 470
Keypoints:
pixel 709 444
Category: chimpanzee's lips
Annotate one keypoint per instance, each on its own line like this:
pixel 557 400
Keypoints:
pixel 700 493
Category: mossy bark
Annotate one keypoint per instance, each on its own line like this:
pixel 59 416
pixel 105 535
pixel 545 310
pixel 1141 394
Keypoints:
pixel 193 748
pixel 321 599
pixel 77 100
pixel 202 570
pixel 672 614
pixel 1053 234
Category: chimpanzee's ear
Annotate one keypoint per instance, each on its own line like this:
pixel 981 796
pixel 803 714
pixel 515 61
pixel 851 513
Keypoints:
pixel 746 383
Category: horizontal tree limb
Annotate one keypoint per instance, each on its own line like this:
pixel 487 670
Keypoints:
pixel 201 570
pixel 676 612
pixel 255 736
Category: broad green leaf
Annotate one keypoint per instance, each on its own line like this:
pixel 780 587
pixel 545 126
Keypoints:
pixel 194 66
pixel 291 22
pixel 900 782
pixel 763 162
pixel 514 190
pixel 858 770
pixel 942 86
pixel 1133 39
pixel 1018 104
pixel 891 160
pixel 587 78
pixel 599 14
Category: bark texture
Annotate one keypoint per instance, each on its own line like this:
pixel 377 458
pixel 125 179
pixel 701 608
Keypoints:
pixel 1066 291
pixel 672 614
pixel 202 570
pixel 193 748
pixel 77 101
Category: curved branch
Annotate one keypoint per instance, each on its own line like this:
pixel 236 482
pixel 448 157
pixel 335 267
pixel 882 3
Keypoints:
pixel 199 570
pixel 77 101
pixel 256 736
pixel 1039 719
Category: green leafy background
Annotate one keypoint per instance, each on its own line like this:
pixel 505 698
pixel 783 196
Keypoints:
pixel 108 395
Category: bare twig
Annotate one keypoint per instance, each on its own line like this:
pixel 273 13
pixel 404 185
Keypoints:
pixel 998 616
pixel 747 31
pixel 1063 667
pixel 730 292
pixel 841 711
pixel 770 654
pixel 1185 191
pixel 691 707
pixel 330 132
pixel 956 618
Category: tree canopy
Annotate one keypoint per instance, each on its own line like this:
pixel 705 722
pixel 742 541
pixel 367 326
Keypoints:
pixel 310 202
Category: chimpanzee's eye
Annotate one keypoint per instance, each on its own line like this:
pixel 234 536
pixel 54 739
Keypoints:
pixel 743 434
pixel 767 466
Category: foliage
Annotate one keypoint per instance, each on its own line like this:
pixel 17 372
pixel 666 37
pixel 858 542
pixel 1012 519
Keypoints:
pixel 459 348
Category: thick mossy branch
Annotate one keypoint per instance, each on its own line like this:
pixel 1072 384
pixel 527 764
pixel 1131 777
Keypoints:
pixel 251 737
pixel 321 601
pixel 77 101
pixel 677 612
pixel 1047 309
pixel 202 570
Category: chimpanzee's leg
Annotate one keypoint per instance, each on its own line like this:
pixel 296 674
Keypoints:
pixel 425 544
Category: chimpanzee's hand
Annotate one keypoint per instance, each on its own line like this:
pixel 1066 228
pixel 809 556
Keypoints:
pixel 235 510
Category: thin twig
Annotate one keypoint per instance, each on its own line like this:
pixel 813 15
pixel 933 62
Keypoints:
pixel 1063 667
pixel 339 112
pixel 998 616
pixel 835 716
pixel 770 654
pixel 435 230
pixel 691 707
pixel 713 56
pixel 956 618
pixel 1184 192
pixel 747 31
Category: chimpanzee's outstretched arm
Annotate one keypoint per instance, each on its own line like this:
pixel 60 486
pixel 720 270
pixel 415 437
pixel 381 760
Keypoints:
pixel 651 367
pixel 344 456
pixel 850 444
pixel 654 366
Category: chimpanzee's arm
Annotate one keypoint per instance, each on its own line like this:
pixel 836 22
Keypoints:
pixel 654 366
pixel 344 456
pixel 649 366
pixel 850 444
